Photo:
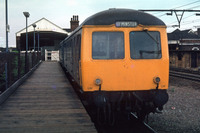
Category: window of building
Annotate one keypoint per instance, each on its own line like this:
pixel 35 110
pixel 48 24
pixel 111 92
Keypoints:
pixel 49 53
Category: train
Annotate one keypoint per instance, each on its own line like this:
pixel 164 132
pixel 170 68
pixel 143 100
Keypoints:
pixel 120 60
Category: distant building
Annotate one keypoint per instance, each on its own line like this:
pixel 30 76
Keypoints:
pixel 184 49
pixel 47 36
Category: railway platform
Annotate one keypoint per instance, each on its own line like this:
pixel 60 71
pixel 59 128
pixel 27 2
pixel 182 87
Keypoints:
pixel 45 103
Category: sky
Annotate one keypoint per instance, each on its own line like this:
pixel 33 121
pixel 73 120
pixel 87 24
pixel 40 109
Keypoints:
pixel 60 12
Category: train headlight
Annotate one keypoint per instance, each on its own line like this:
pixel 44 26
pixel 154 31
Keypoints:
pixel 156 80
pixel 98 82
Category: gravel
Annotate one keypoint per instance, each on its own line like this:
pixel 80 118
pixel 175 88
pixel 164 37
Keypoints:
pixel 182 112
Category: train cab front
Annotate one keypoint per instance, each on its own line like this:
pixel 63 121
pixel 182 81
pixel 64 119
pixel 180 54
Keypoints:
pixel 125 66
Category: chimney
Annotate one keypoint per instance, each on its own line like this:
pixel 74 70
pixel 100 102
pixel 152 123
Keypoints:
pixel 74 22
pixel 198 32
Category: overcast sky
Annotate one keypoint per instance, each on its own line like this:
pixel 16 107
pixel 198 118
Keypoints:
pixel 61 11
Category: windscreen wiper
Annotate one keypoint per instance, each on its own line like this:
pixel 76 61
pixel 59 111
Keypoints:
pixel 146 31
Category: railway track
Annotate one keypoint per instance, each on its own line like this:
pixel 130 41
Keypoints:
pixel 185 75
pixel 123 124
pixel 147 128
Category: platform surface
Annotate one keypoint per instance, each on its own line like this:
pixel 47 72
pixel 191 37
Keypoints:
pixel 45 103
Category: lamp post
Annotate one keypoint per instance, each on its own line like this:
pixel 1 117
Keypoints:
pixel 38 54
pixel 34 25
pixel 26 14
pixel 38 41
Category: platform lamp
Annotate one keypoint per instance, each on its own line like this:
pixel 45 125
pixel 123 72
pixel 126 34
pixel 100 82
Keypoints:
pixel 38 40
pixel 34 25
pixel 38 33
pixel 26 14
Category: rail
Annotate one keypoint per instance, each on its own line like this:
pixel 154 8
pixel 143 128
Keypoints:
pixel 185 75
pixel 178 69
pixel 145 126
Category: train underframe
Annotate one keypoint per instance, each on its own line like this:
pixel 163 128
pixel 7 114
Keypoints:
pixel 106 104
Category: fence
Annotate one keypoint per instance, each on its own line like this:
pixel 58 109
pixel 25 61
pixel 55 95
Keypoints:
pixel 15 65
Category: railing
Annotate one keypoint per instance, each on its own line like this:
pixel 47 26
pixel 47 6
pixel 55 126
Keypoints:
pixel 13 67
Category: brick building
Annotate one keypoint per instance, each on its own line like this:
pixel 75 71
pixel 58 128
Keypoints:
pixel 184 49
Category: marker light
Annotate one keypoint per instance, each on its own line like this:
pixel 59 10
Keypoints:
pixel 156 80
pixel 126 24
pixel 98 82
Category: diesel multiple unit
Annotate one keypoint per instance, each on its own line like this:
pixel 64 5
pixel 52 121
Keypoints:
pixel 119 58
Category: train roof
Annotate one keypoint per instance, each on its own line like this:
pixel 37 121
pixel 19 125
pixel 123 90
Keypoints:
pixel 111 16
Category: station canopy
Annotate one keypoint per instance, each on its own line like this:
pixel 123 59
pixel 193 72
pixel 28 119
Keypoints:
pixel 48 34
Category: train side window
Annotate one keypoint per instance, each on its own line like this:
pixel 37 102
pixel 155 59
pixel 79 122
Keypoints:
pixel 79 47
pixel 145 45
pixel 108 45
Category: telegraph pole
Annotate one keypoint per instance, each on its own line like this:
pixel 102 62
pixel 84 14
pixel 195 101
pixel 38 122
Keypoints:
pixel 7 26
pixel 7 30
pixel 174 11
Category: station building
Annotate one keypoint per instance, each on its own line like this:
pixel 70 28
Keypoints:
pixel 184 49
pixel 47 36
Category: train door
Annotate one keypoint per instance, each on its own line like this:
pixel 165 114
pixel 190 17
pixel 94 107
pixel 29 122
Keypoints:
pixel 73 58
pixel 69 56
pixel 76 57
pixel 193 59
